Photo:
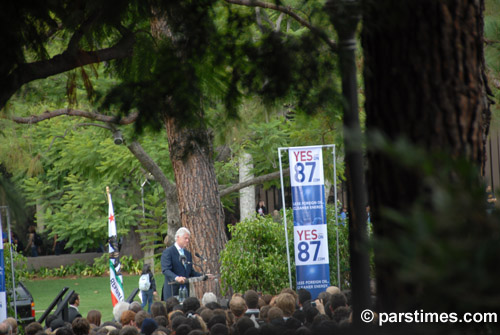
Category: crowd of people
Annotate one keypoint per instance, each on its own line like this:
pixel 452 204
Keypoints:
pixel 251 313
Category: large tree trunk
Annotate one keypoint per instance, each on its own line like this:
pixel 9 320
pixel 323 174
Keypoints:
pixel 424 77
pixel 199 202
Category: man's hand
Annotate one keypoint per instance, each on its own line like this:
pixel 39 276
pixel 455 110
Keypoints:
pixel 319 306
pixel 180 280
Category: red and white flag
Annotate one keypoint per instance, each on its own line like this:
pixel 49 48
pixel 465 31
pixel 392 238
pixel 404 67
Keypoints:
pixel 115 276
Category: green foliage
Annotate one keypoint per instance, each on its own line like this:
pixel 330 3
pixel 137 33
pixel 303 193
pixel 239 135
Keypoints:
pixel 97 269
pixel 154 223
pixel 263 144
pixel 255 257
pixel 129 265
pixel 75 169
pixel 19 266
pixel 251 259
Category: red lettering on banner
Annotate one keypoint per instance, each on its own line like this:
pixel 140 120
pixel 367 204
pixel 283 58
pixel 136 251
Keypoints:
pixel 296 153
pixel 304 155
pixel 307 235
pixel 300 232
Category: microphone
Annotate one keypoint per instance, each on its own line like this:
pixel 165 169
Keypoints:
pixel 183 259
pixel 200 257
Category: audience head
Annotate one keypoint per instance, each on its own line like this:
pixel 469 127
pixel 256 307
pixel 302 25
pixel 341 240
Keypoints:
pixel 303 295
pixel 207 314
pixel 341 313
pixel 332 289
pixel 324 297
pixel 161 320
pixel 219 329
pixel 213 305
pixel 208 297
pixel 190 304
pixel 49 319
pixel 274 313
pixel 237 306
pixel 135 306
pixel 217 318
pixel 66 330
pixel 263 312
pixel 286 302
pixel 267 298
pixel 128 318
pixel 119 308
pixel 251 299
pixel 56 324
pixel 243 324
pixel 139 318
pixel 5 328
pixel 13 323
pixel 33 327
pixel 94 317
pixel 80 326
pixel 292 292
pixel 337 300
pixel 158 308
pixel 129 330
pixel 170 303
pixel 148 326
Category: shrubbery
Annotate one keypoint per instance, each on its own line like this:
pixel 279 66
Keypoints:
pixel 255 257
pixel 99 268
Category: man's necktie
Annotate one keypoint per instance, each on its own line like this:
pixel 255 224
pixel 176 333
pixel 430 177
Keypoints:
pixel 181 251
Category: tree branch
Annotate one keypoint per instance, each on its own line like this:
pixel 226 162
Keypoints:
pixel 253 181
pixel 288 11
pixel 73 112
pixel 66 61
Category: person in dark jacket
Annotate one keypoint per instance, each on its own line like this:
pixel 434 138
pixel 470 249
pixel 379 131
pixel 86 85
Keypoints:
pixel 147 296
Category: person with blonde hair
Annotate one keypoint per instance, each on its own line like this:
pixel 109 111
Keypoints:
pixel 286 302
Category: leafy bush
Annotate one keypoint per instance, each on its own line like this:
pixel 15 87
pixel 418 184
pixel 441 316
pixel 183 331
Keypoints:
pixel 99 268
pixel 255 257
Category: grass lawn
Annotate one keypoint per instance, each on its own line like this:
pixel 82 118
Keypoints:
pixel 94 292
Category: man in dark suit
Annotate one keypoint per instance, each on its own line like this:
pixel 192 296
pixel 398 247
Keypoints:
pixel 74 302
pixel 177 264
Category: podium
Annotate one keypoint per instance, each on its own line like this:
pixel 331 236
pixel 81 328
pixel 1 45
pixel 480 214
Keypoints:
pixel 198 286
pixel 191 282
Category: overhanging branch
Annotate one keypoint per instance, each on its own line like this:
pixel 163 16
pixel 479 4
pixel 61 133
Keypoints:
pixel 253 181
pixel 73 112
pixel 61 63
pixel 288 11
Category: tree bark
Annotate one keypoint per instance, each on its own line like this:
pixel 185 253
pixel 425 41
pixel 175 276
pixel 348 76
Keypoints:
pixel 199 202
pixel 425 82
